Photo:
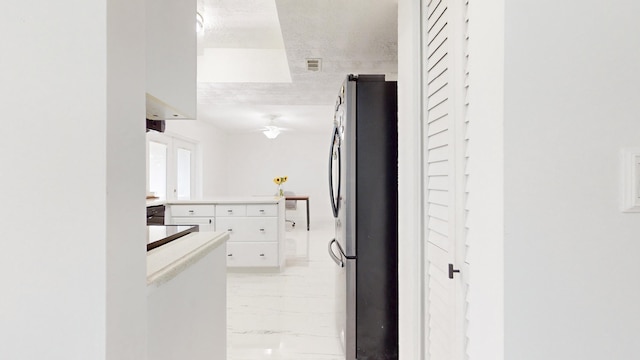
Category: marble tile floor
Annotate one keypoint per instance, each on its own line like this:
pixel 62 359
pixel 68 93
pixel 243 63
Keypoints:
pixel 288 315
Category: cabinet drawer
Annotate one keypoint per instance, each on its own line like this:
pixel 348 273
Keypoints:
pixel 205 223
pixel 193 210
pixel 157 210
pixel 262 210
pixel 249 229
pixel 231 210
pixel 252 254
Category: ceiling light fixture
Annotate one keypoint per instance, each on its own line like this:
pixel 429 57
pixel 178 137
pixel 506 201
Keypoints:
pixel 199 22
pixel 271 131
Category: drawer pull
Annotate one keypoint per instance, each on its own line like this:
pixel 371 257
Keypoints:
pixel 190 211
pixel 262 211
pixel 229 254
pixel 261 230
pixel 230 230
pixel 230 211
pixel 262 255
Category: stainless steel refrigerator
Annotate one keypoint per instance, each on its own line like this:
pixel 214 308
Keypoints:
pixel 363 185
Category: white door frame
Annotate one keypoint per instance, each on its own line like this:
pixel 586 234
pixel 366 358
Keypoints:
pixel 412 292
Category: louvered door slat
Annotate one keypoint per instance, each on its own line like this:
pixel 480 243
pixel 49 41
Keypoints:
pixel 438 140
pixel 436 15
pixel 437 51
pixel 439 226
pixel 439 212
pixel 438 154
pixel 439 197
pixel 438 126
pixel 439 98
pixel 432 7
pixel 437 112
pixel 436 238
pixel 437 83
pixel 438 183
pixel 439 168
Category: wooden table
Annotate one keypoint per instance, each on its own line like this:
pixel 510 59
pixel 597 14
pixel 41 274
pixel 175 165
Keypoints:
pixel 302 198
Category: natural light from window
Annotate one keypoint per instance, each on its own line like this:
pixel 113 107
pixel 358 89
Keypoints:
pixel 184 174
pixel 158 169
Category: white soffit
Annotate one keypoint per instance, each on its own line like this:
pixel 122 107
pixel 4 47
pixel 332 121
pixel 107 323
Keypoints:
pixel 244 66
pixel 243 43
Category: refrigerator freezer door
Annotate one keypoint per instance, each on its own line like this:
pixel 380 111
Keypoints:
pixel 345 275
pixel 347 300
pixel 340 273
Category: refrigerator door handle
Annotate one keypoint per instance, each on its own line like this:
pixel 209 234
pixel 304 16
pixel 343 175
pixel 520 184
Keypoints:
pixel 338 260
pixel 335 193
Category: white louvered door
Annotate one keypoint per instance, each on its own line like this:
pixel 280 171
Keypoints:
pixel 445 142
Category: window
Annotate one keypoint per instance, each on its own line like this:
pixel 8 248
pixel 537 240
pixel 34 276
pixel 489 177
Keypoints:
pixel 157 168
pixel 170 167
pixel 183 183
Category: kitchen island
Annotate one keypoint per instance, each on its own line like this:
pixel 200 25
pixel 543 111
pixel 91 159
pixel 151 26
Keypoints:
pixel 255 225
pixel 186 297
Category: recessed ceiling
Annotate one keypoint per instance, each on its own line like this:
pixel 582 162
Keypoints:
pixel 249 40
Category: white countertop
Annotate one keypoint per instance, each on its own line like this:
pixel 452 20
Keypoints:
pixel 221 200
pixel 155 202
pixel 168 260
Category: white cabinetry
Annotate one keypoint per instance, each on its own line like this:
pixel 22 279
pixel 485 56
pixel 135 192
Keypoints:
pixel 256 229
pixel 171 59
pixel 255 234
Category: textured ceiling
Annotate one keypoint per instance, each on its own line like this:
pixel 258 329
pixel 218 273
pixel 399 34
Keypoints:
pixel 350 36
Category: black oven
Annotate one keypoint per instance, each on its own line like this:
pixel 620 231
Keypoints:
pixel 155 215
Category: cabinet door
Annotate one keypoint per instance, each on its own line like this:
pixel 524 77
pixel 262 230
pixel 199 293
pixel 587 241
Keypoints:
pixel 252 254
pixel 205 223
pixel 171 59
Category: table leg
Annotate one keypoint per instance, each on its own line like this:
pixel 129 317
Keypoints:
pixel 307 214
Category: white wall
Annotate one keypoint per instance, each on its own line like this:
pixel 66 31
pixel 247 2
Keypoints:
pixel 245 164
pixel 571 102
pixel 254 160
pixel 212 160
pixel 125 181
pixel 72 159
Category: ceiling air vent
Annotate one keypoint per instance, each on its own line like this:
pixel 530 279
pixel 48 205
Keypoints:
pixel 314 64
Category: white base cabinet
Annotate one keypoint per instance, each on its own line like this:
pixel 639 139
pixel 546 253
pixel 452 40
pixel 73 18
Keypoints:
pixel 252 254
pixel 187 304
pixel 256 228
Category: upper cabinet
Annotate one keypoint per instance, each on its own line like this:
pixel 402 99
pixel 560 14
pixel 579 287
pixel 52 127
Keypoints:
pixel 171 59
